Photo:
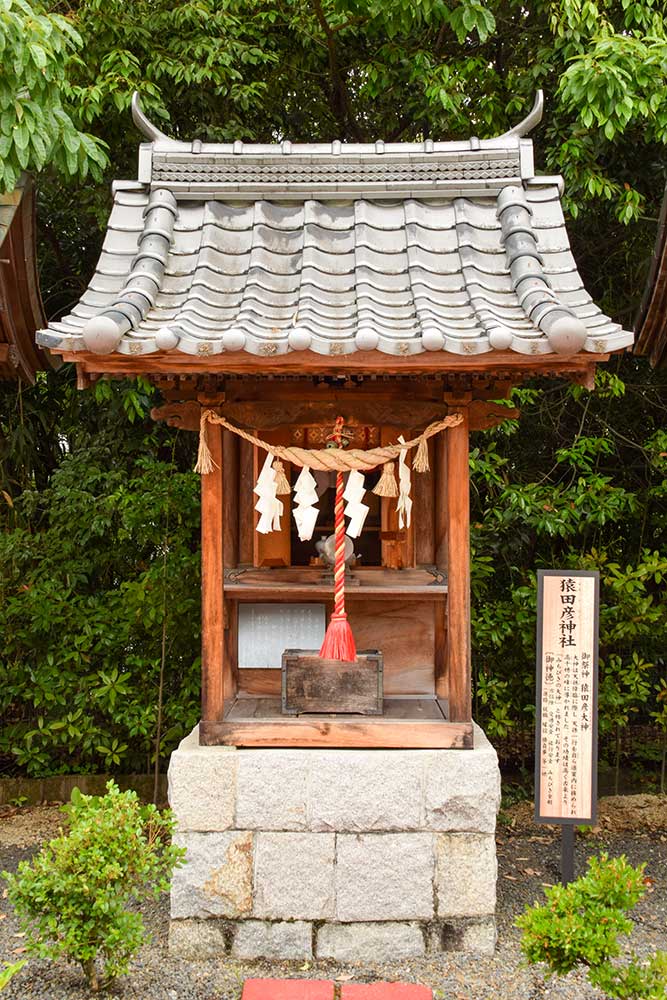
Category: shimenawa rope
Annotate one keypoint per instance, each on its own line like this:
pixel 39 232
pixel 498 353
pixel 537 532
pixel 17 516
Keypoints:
pixel 327 459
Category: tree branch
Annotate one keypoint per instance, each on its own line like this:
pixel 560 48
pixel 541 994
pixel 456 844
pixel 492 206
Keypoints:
pixel 347 24
pixel 440 40
pixel 401 126
pixel 338 96
pixel 52 239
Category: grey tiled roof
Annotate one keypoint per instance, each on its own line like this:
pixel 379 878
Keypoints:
pixel 447 246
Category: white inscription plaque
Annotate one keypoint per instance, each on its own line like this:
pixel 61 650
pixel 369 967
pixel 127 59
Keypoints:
pixel 566 730
pixel 266 630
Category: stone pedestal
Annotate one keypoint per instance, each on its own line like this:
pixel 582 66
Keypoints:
pixel 346 854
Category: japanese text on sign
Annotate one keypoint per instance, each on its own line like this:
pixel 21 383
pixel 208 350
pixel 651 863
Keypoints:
pixel 266 630
pixel 567 684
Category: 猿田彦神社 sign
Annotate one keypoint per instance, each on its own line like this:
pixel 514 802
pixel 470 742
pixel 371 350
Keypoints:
pixel 566 723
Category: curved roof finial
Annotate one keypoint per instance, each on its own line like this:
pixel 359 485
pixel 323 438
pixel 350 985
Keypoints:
pixel 151 131
pixel 533 118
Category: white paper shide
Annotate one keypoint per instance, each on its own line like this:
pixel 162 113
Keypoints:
pixel 355 510
pixel 305 497
pixel 268 505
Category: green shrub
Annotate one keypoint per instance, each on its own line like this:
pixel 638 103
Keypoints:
pixel 580 925
pixel 9 972
pixel 72 898
pixel 99 571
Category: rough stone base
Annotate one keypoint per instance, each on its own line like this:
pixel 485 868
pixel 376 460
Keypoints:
pixel 346 854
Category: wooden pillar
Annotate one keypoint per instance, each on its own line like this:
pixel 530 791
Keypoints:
pixel 246 498
pixel 230 486
pixel 212 583
pixel 423 512
pixel 397 544
pixel 458 504
pixel 440 531
pixel 441 501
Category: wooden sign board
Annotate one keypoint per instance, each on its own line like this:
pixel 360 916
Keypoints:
pixel 266 630
pixel 567 681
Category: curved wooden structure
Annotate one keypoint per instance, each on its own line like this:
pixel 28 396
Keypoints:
pixel 21 310
pixel 651 322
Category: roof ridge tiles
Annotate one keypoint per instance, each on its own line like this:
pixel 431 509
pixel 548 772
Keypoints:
pixel 335 148
pixel 398 266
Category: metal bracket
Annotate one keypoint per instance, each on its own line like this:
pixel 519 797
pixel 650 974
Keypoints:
pixel 234 575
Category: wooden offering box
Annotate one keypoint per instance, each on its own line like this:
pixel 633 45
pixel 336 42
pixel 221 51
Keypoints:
pixel 311 684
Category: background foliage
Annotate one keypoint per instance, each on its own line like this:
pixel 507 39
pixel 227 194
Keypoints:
pixel 580 481
pixel 35 127
pixel 99 557
pixel 98 562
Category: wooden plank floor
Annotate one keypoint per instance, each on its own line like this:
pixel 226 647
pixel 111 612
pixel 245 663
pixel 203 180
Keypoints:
pixel 406 722
pixel 410 709
pixel 307 584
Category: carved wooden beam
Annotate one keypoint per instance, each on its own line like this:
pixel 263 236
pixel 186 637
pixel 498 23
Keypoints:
pixel 585 377
pixel 270 415
pixel 360 413
pixel 184 415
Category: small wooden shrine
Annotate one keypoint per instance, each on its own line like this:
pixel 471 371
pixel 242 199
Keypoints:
pixel 316 309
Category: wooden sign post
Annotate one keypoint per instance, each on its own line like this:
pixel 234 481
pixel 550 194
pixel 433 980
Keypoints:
pixel 567 688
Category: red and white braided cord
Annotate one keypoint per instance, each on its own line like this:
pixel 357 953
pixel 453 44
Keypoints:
pixel 339 550
pixel 339 531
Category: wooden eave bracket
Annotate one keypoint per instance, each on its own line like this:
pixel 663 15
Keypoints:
pixel 485 414
pixel 185 416
pixel 499 364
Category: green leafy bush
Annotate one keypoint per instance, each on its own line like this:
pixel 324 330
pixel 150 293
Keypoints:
pixel 99 563
pixel 578 482
pixel 72 898
pixel 9 971
pixel 580 925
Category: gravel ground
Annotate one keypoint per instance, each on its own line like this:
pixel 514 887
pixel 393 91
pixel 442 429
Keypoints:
pixel 528 858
